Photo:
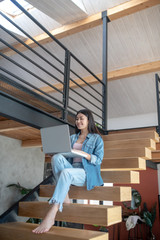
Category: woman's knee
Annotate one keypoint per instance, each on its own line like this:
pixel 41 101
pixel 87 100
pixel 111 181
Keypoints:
pixel 56 159
pixel 66 174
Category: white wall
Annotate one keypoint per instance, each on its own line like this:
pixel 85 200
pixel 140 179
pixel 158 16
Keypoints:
pixel 143 120
pixel 17 164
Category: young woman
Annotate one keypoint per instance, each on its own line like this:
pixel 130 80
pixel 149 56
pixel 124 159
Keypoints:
pixel 76 171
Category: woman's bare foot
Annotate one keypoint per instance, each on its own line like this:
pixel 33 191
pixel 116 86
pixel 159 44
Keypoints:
pixel 48 221
pixel 67 200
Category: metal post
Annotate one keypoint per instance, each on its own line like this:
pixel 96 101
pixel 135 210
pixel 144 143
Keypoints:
pixel 104 70
pixel 158 105
pixel 66 84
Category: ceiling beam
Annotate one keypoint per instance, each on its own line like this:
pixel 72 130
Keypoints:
pixel 134 70
pixel 116 12
pixel 130 7
pixel 113 75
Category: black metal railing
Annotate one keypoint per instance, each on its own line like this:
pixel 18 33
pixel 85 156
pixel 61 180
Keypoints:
pixel 50 76
pixel 158 101
pixel 11 214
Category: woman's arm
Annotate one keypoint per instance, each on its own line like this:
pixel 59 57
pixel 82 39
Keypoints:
pixel 88 156
pixel 98 152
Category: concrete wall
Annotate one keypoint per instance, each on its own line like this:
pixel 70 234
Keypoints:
pixel 17 164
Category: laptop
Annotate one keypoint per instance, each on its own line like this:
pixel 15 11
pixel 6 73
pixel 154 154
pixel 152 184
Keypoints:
pixel 57 140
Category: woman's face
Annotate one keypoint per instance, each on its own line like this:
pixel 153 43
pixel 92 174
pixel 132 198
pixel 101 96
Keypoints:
pixel 81 122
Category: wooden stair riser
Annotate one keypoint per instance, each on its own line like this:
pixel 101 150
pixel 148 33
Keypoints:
pixel 132 135
pixel 116 194
pixel 19 231
pixel 76 213
pixel 123 177
pixel 125 164
pixel 157 146
pixel 120 153
pixel 130 152
pixel 118 164
pixel 132 143
pixel 155 154
pixel 155 160
pixel 31 143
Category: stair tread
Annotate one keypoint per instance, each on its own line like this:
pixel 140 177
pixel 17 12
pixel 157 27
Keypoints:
pixel 128 140
pixel 19 230
pixel 125 164
pixel 120 177
pixel 128 135
pixel 116 193
pixel 153 150
pixel 77 213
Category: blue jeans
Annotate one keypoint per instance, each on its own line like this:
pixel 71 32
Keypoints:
pixel 65 175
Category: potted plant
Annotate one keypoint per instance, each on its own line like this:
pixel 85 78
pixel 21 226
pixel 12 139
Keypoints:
pixel 149 217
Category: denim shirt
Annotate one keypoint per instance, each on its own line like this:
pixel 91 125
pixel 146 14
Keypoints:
pixel 94 146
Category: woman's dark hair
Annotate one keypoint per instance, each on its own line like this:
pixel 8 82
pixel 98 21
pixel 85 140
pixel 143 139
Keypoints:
pixel 91 124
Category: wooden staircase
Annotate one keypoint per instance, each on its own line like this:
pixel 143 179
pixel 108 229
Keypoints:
pixel 125 156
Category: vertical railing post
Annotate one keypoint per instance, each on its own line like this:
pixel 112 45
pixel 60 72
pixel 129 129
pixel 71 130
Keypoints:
pixel 66 85
pixel 104 69
pixel 158 105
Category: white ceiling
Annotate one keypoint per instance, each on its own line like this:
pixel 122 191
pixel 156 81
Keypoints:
pixel 61 11
pixel 132 40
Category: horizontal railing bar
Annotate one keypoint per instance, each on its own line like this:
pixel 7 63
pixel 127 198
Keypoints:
pixel 85 82
pixel 33 74
pixel 83 106
pixel 24 90
pixel 29 36
pixel 98 123
pixel 85 90
pixel 86 68
pixel 11 34
pixel 85 99
pixel 38 24
pixel 29 84
pixel 30 60
pixel 73 109
pixel 76 112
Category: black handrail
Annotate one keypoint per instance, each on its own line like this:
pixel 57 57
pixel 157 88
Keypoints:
pixel 66 89
pixel 37 23
pixel 9 215
pixel 33 74
pixel 158 101
pixel 86 68
pixel 31 49
pixel 29 36
pixel 29 84
pixel 31 61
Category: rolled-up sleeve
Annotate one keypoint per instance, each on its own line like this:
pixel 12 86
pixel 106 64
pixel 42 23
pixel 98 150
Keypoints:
pixel 98 153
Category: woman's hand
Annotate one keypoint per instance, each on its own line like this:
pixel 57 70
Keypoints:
pixel 88 156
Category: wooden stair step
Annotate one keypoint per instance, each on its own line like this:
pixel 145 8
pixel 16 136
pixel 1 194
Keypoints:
pixel 125 164
pixel 130 143
pixel 155 160
pixel 128 177
pixel 76 213
pixel 132 135
pixel 120 153
pixel 20 230
pixel 31 143
pixel 157 146
pixel 155 154
pixel 116 194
